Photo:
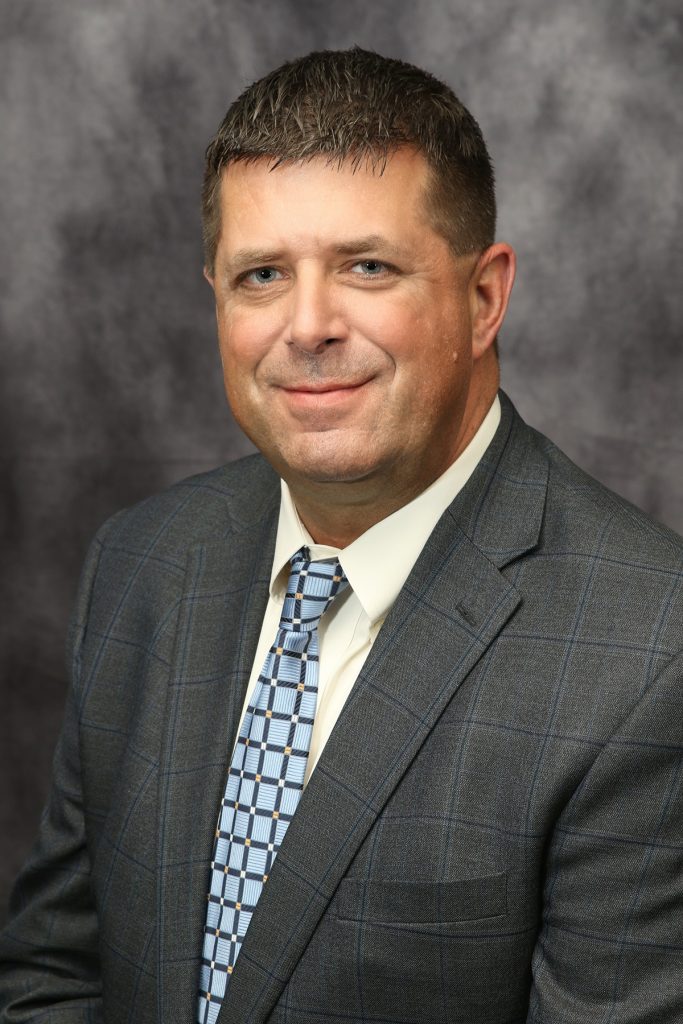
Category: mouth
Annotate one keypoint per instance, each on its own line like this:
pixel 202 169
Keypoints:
pixel 322 395
pixel 329 387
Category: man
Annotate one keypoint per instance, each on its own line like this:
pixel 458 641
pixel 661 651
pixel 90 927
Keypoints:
pixel 449 790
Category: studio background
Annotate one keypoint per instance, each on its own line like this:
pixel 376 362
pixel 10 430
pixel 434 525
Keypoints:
pixel 110 384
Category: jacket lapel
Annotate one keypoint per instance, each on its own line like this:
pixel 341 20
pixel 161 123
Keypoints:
pixel 221 609
pixel 452 607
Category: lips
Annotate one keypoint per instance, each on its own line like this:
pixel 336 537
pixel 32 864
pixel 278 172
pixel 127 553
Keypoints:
pixel 323 398
pixel 323 388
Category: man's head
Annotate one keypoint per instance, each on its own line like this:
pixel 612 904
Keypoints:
pixel 356 320
pixel 357 106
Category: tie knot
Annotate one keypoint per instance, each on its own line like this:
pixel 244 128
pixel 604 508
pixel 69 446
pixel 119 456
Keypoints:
pixel 311 588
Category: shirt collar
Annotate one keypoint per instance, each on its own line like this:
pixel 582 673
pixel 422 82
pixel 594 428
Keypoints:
pixel 378 563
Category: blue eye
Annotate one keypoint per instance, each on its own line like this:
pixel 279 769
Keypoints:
pixel 262 276
pixel 371 268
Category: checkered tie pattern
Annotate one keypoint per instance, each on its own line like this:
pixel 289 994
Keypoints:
pixel 266 775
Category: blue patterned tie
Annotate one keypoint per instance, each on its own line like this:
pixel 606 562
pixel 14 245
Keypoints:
pixel 266 775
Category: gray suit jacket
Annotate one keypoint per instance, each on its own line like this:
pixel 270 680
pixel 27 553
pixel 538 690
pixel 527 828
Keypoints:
pixel 493 832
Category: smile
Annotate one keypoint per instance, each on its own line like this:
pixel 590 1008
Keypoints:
pixel 323 394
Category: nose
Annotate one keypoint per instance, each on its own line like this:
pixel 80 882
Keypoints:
pixel 315 321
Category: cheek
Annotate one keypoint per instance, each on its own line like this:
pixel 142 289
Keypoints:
pixel 437 368
pixel 398 329
pixel 245 337
pixel 426 347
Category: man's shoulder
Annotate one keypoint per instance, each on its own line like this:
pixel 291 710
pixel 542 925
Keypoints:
pixel 206 507
pixel 582 511
pixel 529 496
pixel 617 569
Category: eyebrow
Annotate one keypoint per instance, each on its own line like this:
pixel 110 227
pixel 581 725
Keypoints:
pixel 243 259
pixel 370 243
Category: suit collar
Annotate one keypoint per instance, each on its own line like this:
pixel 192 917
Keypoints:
pixel 502 506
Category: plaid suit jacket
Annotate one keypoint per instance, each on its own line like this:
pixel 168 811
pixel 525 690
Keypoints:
pixel 493 832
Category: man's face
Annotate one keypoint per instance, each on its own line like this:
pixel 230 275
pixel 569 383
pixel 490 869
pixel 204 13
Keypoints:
pixel 344 321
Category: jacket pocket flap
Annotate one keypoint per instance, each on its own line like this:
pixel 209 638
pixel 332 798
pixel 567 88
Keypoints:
pixel 462 899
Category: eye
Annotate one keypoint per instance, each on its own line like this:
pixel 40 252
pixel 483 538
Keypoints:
pixel 261 276
pixel 370 268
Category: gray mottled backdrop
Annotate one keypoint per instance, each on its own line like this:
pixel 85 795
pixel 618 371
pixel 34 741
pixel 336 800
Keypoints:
pixel 110 384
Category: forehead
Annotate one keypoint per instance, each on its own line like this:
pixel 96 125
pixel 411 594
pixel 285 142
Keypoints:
pixel 323 201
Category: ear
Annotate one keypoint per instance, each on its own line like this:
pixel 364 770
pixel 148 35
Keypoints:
pixel 209 278
pixel 490 287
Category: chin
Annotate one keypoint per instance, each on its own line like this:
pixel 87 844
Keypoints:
pixel 324 463
pixel 322 470
pixel 324 473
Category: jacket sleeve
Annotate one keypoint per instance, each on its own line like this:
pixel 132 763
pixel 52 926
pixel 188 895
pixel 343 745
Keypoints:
pixel 49 965
pixel 611 945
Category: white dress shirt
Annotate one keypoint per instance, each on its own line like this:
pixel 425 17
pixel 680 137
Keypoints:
pixel 377 565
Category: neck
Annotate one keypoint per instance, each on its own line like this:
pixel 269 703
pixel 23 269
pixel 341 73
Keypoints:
pixel 338 513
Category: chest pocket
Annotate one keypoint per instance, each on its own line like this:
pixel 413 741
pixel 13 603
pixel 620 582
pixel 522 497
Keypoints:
pixel 406 902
